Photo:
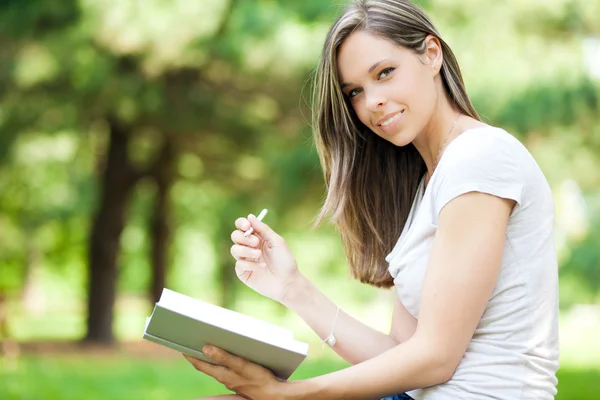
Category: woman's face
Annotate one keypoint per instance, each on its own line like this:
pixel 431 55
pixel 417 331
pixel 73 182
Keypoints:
pixel 392 89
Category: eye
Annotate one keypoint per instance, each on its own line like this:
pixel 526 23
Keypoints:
pixel 353 93
pixel 385 73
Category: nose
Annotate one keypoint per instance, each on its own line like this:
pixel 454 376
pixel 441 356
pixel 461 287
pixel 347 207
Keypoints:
pixel 375 101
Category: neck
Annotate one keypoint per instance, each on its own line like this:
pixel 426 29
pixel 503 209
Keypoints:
pixel 437 133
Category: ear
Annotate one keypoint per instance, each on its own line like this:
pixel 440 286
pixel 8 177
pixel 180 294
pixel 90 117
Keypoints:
pixel 434 54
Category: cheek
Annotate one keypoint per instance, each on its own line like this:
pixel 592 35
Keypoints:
pixel 422 95
pixel 361 112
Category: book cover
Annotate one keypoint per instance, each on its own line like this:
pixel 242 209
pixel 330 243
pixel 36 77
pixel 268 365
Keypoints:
pixel 185 324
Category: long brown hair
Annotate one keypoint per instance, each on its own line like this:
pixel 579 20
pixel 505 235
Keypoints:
pixel 371 183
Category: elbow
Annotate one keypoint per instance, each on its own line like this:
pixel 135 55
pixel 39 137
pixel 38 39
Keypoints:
pixel 439 364
pixel 443 368
pixel 446 374
pixel 439 373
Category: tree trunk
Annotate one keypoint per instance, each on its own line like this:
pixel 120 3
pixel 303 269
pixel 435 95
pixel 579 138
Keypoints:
pixel 117 185
pixel 226 276
pixel 160 229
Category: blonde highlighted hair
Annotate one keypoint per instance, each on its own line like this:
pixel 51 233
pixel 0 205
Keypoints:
pixel 371 183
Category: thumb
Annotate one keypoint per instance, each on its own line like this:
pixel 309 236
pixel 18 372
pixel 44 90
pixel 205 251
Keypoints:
pixel 262 230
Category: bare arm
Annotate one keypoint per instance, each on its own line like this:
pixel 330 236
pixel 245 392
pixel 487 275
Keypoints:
pixel 404 324
pixel 265 264
pixel 460 278
pixel 355 341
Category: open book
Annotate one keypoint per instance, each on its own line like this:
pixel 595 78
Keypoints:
pixel 186 324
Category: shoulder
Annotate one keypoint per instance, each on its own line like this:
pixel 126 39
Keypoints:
pixel 485 151
pixel 485 159
pixel 482 146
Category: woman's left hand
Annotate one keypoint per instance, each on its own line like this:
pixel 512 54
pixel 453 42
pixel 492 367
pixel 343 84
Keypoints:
pixel 239 375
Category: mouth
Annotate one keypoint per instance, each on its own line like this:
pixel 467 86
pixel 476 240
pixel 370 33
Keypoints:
pixel 389 119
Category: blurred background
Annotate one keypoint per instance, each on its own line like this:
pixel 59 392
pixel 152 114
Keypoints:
pixel 133 133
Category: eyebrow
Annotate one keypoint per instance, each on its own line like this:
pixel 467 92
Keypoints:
pixel 346 84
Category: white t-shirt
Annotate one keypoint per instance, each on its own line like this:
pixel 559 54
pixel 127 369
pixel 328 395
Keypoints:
pixel 513 353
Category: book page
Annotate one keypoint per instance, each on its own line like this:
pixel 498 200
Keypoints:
pixel 224 318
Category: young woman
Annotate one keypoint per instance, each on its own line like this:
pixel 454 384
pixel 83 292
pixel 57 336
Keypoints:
pixel 454 213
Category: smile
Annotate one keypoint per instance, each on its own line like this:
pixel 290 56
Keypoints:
pixel 392 119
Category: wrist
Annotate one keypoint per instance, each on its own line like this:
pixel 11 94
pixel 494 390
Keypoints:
pixel 298 290
pixel 307 389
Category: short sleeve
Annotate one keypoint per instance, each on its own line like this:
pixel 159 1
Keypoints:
pixel 486 160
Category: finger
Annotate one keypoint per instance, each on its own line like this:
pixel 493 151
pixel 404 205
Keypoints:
pixel 242 275
pixel 248 266
pixel 263 230
pixel 238 237
pixel 234 363
pixel 245 253
pixel 242 224
pixel 216 371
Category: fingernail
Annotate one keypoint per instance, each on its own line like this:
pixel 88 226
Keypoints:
pixel 207 350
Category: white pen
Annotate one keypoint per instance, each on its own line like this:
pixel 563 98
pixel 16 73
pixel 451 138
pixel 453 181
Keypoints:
pixel 260 218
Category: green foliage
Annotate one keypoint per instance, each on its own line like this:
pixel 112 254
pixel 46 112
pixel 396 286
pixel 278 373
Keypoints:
pixel 21 19
pixel 549 104
pixel 225 82
pixel 584 262
pixel 45 200
pixel 69 68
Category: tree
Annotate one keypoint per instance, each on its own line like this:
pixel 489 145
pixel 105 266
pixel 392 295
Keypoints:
pixel 146 90
pixel 181 98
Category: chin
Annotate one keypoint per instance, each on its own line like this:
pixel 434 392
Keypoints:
pixel 400 139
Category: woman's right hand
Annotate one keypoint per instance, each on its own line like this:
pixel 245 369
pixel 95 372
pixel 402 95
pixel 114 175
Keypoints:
pixel 263 261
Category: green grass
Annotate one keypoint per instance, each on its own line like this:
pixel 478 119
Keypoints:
pixel 123 377
pixel 115 377
pixel 578 384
